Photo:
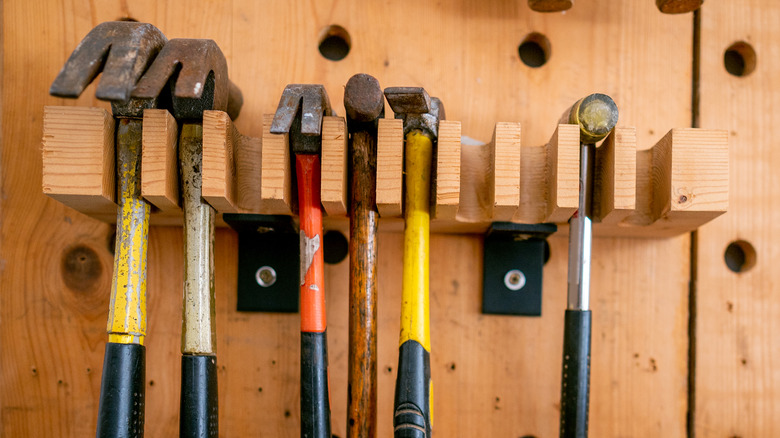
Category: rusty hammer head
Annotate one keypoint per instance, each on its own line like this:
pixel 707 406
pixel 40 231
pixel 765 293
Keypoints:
pixel 300 113
pixel 596 115
pixel 416 108
pixel 364 102
pixel 198 76
pixel 122 50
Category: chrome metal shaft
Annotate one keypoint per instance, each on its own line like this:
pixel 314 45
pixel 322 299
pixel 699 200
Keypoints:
pixel 580 234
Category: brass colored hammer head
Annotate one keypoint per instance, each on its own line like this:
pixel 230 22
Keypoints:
pixel 596 114
pixel 122 50
pixel 198 75
pixel 300 112
pixel 416 108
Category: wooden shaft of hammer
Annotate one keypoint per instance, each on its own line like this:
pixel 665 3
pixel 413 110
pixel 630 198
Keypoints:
pixel 362 377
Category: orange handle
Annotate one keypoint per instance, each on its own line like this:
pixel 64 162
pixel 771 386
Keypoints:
pixel 307 169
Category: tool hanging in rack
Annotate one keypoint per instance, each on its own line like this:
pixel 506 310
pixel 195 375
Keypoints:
pixel 365 105
pixel 413 413
pixel 300 112
pixel 201 83
pixel 596 115
pixel 122 50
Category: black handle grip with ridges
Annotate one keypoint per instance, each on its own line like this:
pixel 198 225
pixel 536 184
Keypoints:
pixel 121 408
pixel 411 416
pixel 575 382
pixel 199 416
pixel 315 400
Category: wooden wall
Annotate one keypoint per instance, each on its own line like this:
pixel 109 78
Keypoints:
pixel 494 376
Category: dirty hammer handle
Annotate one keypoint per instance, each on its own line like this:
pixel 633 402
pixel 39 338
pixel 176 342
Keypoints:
pixel 575 382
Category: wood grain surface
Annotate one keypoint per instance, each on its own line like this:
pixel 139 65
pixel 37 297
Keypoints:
pixel 493 375
pixel 738 314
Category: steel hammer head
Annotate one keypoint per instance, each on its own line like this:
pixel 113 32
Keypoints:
pixel 122 50
pixel 198 76
pixel 300 112
pixel 416 108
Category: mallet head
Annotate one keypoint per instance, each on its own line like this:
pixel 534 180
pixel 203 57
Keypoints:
pixel 300 112
pixel 363 100
pixel 416 108
pixel 596 114
pixel 122 50
pixel 198 75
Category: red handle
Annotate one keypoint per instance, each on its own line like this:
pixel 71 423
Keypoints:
pixel 307 168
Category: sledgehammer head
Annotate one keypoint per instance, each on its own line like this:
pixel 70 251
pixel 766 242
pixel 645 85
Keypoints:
pixel 198 75
pixel 122 50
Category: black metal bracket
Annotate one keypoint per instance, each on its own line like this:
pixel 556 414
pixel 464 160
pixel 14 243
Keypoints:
pixel 514 257
pixel 268 262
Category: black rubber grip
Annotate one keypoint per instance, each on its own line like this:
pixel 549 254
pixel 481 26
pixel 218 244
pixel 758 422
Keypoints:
pixel 199 416
pixel 121 408
pixel 575 382
pixel 315 400
pixel 411 414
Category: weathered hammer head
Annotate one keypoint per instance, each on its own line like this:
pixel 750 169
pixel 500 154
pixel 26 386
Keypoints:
pixel 364 102
pixel 198 75
pixel 122 50
pixel 416 108
pixel 300 113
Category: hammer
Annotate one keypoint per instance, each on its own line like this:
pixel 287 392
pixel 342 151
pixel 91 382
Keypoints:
pixel 412 416
pixel 198 76
pixel 122 50
pixel 596 116
pixel 364 103
pixel 300 112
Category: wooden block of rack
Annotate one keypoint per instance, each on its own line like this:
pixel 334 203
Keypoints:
pixel 78 159
pixel 159 161
pixel 682 183
pixel 389 167
pixel 333 190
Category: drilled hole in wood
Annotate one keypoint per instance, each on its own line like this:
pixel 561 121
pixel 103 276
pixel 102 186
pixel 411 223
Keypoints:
pixel 335 43
pixel 740 59
pixel 535 50
pixel 740 256
pixel 335 247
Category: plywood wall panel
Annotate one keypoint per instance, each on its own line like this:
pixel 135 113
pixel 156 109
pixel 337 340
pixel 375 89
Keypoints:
pixel 494 375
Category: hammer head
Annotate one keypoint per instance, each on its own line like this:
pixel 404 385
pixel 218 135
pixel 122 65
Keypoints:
pixel 416 108
pixel 197 71
pixel 122 50
pixel 300 113
pixel 364 101
pixel 596 114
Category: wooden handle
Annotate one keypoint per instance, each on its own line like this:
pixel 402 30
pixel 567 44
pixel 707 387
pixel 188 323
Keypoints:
pixel 362 383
